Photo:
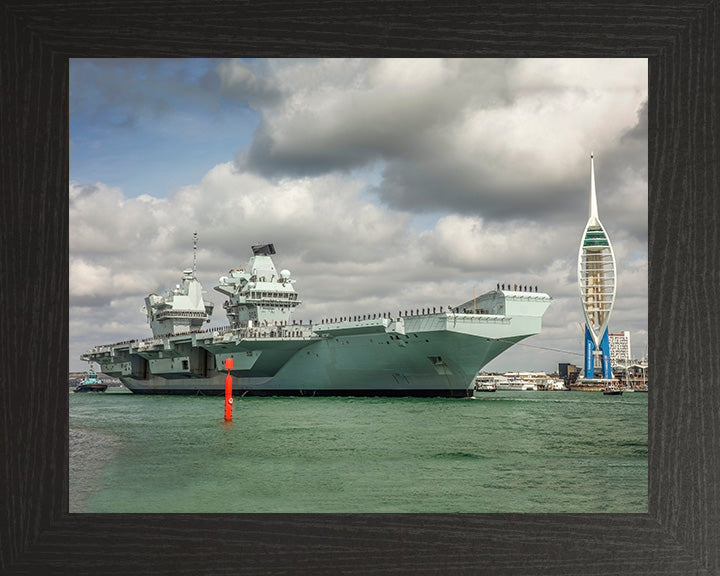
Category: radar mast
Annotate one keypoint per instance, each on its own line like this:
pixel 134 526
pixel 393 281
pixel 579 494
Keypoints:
pixel 195 239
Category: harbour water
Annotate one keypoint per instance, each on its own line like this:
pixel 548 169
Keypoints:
pixel 507 451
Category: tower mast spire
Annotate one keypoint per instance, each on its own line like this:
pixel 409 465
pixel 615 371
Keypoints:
pixel 593 216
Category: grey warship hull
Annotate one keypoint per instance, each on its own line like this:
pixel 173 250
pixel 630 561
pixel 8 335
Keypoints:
pixel 421 355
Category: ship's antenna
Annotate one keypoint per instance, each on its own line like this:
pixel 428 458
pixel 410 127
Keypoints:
pixel 195 237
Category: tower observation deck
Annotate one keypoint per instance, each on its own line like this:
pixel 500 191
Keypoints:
pixel 597 283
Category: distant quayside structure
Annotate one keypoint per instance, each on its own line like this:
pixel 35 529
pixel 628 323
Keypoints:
pixel 597 280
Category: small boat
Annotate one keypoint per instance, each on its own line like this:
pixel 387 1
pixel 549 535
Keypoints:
pixel 485 384
pixel 485 388
pixel 612 391
pixel 91 383
pixel 529 381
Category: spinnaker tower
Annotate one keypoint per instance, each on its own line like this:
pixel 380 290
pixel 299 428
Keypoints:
pixel 597 280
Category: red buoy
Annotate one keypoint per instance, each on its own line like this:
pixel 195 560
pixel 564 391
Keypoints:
pixel 228 390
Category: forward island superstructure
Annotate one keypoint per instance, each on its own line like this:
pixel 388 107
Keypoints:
pixel 422 352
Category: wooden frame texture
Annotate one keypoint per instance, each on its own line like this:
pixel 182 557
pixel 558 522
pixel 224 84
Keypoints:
pixel 680 534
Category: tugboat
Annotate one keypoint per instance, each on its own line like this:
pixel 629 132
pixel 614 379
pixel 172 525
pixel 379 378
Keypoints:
pixel 91 383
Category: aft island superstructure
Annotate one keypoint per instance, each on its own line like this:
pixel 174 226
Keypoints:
pixel 421 352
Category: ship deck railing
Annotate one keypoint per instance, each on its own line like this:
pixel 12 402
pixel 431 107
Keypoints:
pixel 293 331
pixel 217 335
pixel 180 314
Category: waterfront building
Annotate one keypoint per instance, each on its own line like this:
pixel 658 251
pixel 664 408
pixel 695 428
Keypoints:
pixel 568 372
pixel 620 354
pixel 597 283
pixel 638 374
pixel 634 375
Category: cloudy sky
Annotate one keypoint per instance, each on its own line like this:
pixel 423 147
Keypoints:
pixel 384 185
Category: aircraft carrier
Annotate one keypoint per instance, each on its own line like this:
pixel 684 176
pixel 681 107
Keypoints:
pixel 419 352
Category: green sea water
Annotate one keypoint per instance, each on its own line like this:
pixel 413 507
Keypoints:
pixel 505 452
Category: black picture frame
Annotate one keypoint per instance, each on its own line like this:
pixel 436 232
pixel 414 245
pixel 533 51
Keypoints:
pixel 681 532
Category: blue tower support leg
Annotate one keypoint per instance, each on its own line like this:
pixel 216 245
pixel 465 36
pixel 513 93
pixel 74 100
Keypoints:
pixel 605 348
pixel 589 354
